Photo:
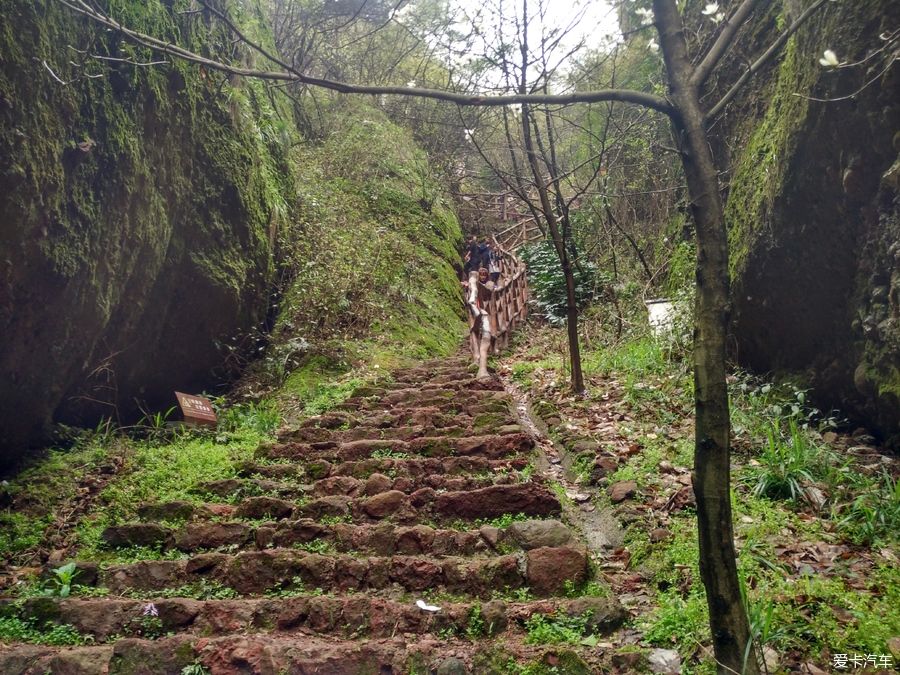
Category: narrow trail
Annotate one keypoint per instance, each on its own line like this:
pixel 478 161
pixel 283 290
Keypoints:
pixel 431 488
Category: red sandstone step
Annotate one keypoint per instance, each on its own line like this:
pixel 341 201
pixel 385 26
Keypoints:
pixel 233 488
pixel 417 466
pixel 358 615
pixel 397 469
pixel 446 414
pixel 417 398
pixel 380 539
pixel 425 423
pixel 491 446
pixel 255 654
pixel 530 498
pixel 544 570
pixel 449 380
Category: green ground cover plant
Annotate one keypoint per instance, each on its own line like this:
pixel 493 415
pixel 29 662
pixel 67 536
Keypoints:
pixel 22 630
pixel 792 495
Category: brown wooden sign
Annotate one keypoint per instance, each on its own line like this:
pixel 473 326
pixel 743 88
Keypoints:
pixel 196 409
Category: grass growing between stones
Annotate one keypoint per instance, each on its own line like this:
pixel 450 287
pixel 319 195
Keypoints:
pixel 21 630
pixel 163 473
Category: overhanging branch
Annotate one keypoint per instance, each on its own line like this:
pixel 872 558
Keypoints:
pixel 620 95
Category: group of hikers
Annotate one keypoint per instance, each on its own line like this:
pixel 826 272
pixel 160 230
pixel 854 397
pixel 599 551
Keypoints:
pixel 482 261
pixel 482 258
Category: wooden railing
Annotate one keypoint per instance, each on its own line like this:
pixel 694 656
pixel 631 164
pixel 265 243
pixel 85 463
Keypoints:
pixel 519 234
pixel 500 213
pixel 506 302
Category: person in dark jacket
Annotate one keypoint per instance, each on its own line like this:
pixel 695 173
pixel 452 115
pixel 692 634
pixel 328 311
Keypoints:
pixel 484 254
pixel 473 261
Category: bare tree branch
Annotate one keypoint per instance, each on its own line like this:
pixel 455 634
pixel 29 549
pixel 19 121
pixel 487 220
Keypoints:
pixel 762 60
pixel 723 42
pixel 291 75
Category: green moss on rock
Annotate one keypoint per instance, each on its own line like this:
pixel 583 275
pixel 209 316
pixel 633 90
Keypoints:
pixel 811 222
pixel 136 209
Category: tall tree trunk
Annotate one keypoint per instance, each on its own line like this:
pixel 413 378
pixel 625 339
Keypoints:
pixel 559 245
pixel 572 327
pixel 712 473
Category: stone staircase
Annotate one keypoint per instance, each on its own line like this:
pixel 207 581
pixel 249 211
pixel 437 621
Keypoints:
pixel 314 558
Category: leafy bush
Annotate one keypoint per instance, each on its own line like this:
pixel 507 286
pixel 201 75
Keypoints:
pixel 548 285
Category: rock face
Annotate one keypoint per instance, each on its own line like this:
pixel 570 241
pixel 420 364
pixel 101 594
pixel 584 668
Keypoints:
pixel 813 216
pixel 136 226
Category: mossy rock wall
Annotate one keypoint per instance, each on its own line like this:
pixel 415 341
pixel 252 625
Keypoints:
pixel 813 215
pixel 136 216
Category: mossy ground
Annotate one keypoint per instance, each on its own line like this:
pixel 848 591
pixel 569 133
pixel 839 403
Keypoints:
pixel 370 261
pixel 803 605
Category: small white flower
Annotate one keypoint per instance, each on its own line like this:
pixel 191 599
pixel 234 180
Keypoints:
pixel 428 608
pixel 718 17
pixel 652 45
pixel 829 59
pixel 150 610
pixel 646 16
pixel 710 9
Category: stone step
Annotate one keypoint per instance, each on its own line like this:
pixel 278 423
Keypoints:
pixel 257 654
pixel 447 380
pixel 396 468
pixel 418 398
pixel 344 616
pixel 531 498
pixel 379 539
pixel 544 570
pixel 233 488
pixel 492 446
pixel 428 424
pixel 447 414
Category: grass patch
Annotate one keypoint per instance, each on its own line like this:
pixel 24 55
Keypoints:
pixel 873 517
pixel 551 629
pixel 13 629
pixel 162 473
pixel 38 493
pixel 204 589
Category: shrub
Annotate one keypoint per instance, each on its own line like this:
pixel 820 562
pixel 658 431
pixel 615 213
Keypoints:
pixel 548 285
